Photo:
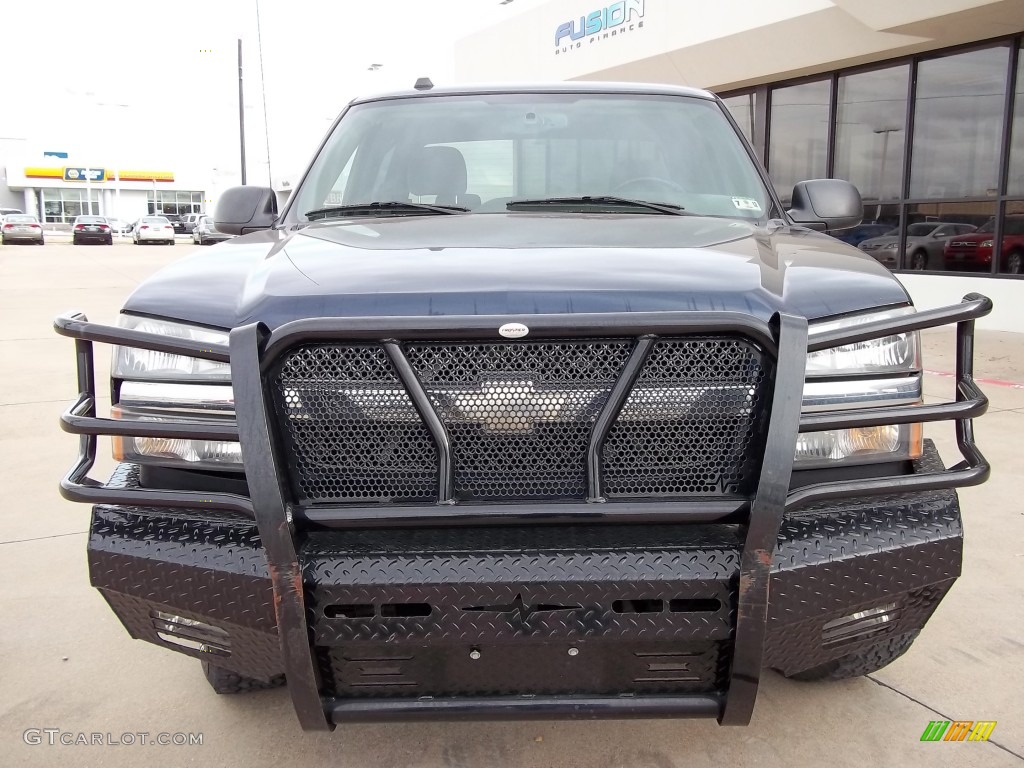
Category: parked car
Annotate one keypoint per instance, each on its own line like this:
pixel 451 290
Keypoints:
pixel 205 232
pixel 119 226
pixel 8 211
pixel 858 235
pixel 605 439
pixel 974 251
pixel 190 220
pixel 176 222
pixel 153 229
pixel 925 243
pixel 21 228
pixel 91 229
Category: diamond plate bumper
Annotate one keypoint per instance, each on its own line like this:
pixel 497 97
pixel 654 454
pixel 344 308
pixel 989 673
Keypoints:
pixel 598 610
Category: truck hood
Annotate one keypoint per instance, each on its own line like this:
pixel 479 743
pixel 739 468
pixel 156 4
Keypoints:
pixel 514 265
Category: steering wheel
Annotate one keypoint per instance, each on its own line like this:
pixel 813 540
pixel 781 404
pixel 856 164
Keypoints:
pixel 645 179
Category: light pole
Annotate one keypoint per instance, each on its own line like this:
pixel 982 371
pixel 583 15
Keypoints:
pixel 241 110
pixel 885 153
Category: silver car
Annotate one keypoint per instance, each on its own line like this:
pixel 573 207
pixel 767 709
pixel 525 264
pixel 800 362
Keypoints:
pixel 205 233
pixel 925 241
pixel 21 228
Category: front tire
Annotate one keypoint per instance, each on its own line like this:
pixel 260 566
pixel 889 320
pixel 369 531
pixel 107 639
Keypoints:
pixel 919 261
pixel 224 681
pixel 860 663
pixel 1015 263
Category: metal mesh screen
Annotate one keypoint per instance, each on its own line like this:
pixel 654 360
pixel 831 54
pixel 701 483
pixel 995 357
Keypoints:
pixel 519 415
pixel 693 424
pixel 351 430
pixel 519 418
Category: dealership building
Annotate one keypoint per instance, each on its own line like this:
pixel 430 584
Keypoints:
pixel 919 103
pixel 57 190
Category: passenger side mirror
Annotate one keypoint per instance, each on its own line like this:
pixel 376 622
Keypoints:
pixel 241 210
pixel 826 204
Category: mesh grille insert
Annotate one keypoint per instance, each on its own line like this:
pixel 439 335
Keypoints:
pixel 351 430
pixel 519 415
pixel 693 424
pixel 519 418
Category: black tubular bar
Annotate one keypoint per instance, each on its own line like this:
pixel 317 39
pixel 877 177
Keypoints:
pixel 616 399
pixel 445 471
pixel 902 414
pixel 974 305
pixel 76 326
pixel 522 708
pixel 469 327
pixel 970 402
pixel 766 513
pixel 539 513
pixel 78 420
pixel 275 528
pixel 76 485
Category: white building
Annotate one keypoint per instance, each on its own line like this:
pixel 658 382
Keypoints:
pixel 920 103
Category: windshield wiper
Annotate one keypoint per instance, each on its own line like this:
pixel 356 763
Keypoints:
pixel 598 201
pixel 369 209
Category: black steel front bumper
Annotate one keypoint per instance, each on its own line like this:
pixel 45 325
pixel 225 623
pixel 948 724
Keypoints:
pixel 579 610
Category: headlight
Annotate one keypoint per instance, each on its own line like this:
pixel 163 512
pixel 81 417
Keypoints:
pixel 135 363
pixel 892 246
pixel 986 243
pixel 155 386
pixel 890 354
pixel 841 378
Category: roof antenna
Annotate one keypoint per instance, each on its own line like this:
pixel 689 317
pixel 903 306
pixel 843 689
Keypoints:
pixel 423 84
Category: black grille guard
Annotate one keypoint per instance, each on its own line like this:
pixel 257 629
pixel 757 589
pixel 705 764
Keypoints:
pixel 253 348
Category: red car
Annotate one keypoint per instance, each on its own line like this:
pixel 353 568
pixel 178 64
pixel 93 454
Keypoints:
pixel 974 251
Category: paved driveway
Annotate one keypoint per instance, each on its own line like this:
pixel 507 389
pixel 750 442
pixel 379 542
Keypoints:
pixel 66 663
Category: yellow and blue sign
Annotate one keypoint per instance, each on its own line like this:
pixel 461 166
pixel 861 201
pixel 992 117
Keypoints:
pixel 97 174
pixel 84 174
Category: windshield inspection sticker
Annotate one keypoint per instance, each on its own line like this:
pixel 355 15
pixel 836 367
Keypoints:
pixel 746 204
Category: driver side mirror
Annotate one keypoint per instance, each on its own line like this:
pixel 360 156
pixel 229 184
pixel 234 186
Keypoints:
pixel 241 210
pixel 826 204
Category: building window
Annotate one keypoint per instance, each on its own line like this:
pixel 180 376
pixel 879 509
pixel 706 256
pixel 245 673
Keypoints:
pixel 741 108
pixel 1015 181
pixel 958 122
pixel 61 206
pixel 1011 261
pixel 946 236
pixel 174 201
pixel 870 132
pixel 798 136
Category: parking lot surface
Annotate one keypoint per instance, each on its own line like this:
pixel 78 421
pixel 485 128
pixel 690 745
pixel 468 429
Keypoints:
pixel 66 663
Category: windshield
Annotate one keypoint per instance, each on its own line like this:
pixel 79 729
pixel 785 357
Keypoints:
pixel 921 230
pixel 20 218
pixel 90 220
pixel 155 220
pixel 482 152
pixel 988 226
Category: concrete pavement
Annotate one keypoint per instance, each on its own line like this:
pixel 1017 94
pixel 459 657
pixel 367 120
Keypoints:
pixel 66 663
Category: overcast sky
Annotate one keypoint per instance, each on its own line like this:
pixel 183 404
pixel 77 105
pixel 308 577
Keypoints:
pixel 119 82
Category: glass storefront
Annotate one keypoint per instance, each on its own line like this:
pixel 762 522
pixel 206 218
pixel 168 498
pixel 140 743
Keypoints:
pixel 798 135
pixel 934 143
pixel 870 136
pixel 171 201
pixel 61 206
pixel 958 120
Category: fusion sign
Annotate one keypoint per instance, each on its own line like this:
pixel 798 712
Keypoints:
pixel 612 20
